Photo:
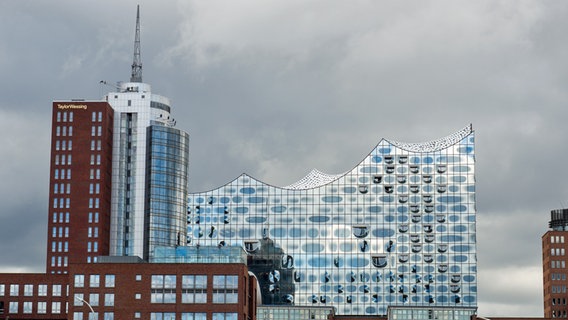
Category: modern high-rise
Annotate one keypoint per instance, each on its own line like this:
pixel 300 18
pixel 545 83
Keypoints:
pixel 396 234
pixel 118 179
pixel 150 168
pixel 554 247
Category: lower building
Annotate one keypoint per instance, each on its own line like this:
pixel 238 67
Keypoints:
pixel 131 288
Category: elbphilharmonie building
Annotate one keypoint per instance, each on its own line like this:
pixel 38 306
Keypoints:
pixel 396 232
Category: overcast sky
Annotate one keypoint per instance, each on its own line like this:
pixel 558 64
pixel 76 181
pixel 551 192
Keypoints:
pixel 277 88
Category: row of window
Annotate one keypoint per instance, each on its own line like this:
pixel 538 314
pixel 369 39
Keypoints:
pixel 59 246
pixel 61 188
pixel 558 276
pixel 96 131
pixel 61 261
pixel 558 264
pixel 95 145
pixel 95 174
pixel 63 116
pixel 558 289
pixel 94 280
pixel 63 159
pixel 60 232
pixel 557 239
pixel 63 217
pixel 97 116
pixel 56 174
pixel 41 307
pixel 192 316
pixel 61 203
pixel 557 251
pixel 94 188
pixel 161 316
pixel 94 299
pixel 93 316
pixel 194 289
pixel 63 131
pixel 95 159
pixel 94 203
pixel 92 246
pixel 42 290
pixel 64 145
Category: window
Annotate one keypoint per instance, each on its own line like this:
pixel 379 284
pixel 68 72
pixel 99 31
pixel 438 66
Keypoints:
pixel 138 296
pixel 225 289
pixel 42 290
pixel 78 300
pixel 94 281
pixel 162 315
pixel 27 307
pixel 70 131
pixel 13 307
pixel 94 117
pixel 99 131
pixel 194 289
pixel 137 315
pixel 93 128
pixel 64 131
pixel 193 316
pixel 77 315
pixel 79 281
pixel 14 290
pixel 100 116
pixel 138 277
pixel 109 280
pixel 71 116
pixel 109 316
pixel 58 116
pixel 57 131
pixel 42 307
pixel 225 316
pixel 94 299
pixel 109 299
pixel 163 289
pixel 2 289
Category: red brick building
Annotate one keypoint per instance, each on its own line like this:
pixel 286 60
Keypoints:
pixel 132 290
pixel 80 183
pixel 554 248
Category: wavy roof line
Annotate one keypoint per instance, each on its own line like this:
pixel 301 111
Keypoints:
pixel 314 179
pixel 434 145
pixel 317 178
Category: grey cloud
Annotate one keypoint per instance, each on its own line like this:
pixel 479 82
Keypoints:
pixel 277 89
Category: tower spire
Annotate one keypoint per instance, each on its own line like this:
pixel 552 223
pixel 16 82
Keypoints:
pixel 137 61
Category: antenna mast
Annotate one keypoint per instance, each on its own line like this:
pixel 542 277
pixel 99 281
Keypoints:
pixel 137 61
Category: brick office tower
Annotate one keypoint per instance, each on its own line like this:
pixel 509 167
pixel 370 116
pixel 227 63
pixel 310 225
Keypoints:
pixel 80 183
pixel 554 245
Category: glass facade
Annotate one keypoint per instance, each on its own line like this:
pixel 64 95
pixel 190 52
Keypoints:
pixel 167 165
pixel 398 230
pixel 149 177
